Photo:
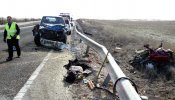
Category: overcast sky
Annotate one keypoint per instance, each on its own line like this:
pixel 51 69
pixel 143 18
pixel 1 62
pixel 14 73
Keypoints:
pixel 94 9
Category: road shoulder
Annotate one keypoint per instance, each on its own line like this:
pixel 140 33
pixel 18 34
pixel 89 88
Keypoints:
pixel 49 84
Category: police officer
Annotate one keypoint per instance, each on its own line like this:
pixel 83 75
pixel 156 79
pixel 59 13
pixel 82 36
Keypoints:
pixel 11 36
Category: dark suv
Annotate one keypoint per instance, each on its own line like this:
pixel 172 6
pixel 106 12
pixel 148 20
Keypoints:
pixel 50 30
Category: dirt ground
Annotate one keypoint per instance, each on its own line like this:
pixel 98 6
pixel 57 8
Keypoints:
pixel 130 36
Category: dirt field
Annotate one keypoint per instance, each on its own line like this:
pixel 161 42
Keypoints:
pixel 130 36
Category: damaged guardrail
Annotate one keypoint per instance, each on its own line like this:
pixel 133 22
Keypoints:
pixel 123 86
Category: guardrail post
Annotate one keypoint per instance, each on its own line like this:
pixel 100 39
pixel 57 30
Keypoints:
pixel 87 50
pixel 80 40
pixel 106 81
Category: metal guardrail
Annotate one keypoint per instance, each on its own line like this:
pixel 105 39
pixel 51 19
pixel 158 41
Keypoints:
pixel 124 88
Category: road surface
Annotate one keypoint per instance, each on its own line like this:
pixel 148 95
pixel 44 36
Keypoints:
pixel 14 74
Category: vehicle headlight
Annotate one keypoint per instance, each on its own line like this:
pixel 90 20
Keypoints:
pixel 41 27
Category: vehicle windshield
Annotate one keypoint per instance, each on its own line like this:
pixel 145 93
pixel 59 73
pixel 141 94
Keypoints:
pixel 52 20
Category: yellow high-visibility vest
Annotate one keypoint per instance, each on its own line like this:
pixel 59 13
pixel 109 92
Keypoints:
pixel 11 31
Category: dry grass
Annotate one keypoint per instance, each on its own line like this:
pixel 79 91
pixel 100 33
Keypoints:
pixel 130 36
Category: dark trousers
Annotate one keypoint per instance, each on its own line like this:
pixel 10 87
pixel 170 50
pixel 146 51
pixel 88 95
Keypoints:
pixel 11 43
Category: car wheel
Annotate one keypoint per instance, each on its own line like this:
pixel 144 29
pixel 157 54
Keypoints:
pixel 64 38
pixel 37 40
pixel 69 32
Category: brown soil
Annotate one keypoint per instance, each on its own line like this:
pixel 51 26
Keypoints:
pixel 130 36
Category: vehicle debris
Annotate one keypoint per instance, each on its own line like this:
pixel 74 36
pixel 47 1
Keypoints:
pixel 76 71
pixel 87 33
pixel 85 81
pixel 117 49
pixel 91 85
pixel 153 61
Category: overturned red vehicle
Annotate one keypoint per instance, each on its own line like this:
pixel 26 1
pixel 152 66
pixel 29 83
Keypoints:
pixel 153 60
pixel 159 55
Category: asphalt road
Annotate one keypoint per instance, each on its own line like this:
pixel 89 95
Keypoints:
pixel 26 36
pixel 14 74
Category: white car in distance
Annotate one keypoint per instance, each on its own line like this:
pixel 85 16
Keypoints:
pixel 68 25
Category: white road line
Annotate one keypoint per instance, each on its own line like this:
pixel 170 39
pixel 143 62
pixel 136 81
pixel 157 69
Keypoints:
pixel 20 28
pixel 27 26
pixel 29 82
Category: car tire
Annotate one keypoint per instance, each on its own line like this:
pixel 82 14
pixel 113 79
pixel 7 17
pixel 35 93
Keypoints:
pixel 37 40
pixel 64 38
pixel 69 32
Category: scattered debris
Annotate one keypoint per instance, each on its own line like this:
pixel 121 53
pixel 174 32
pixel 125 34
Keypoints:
pixel 77 62
pixel 76 71
pixel 117 49
pixel 70 78
pixel 117 61
pixel 153 60
pixel 87 72
pixel 85 81
pixel 85 60
pixel 54 44
pixel 91 85
pixel 97 85
pixel 87 33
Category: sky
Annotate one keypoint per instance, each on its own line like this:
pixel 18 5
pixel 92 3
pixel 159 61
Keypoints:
pixel 91 9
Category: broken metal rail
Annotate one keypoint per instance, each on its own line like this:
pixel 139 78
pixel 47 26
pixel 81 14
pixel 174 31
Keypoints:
pixel 124 88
